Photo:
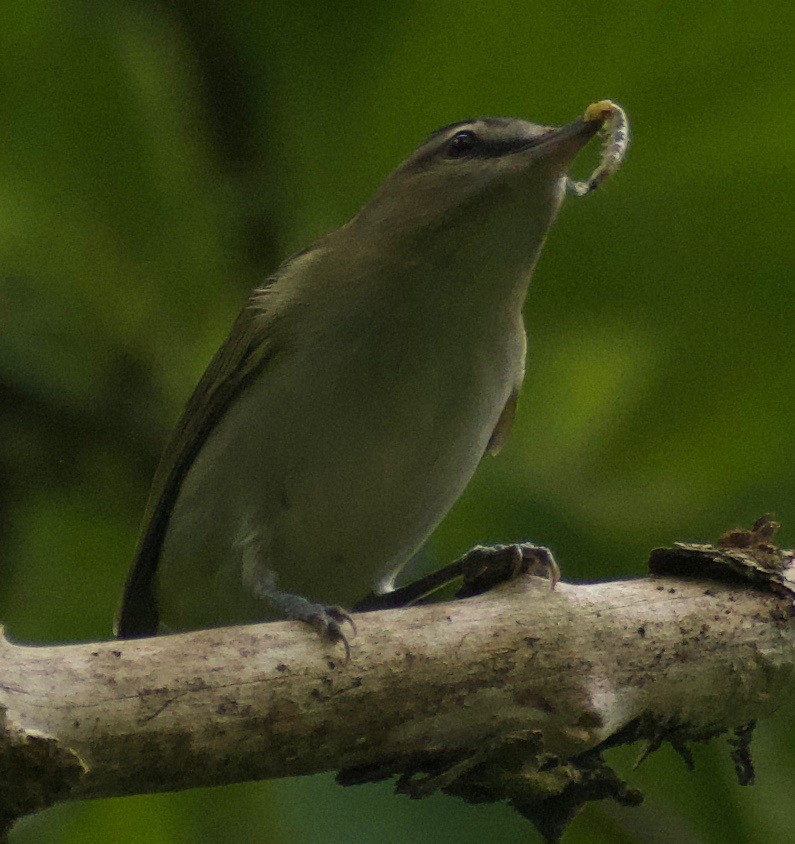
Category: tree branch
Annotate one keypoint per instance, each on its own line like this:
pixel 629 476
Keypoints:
pixel 435 693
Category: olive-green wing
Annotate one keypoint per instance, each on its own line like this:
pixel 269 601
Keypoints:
pixel 504 424
pixel 245 351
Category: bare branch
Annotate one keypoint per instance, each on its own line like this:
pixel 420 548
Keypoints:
pixel 432 690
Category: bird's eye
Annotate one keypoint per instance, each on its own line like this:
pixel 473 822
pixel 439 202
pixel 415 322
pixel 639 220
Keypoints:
pixel 461 144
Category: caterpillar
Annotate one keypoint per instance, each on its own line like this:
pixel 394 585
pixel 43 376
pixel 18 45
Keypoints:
pixel 615 130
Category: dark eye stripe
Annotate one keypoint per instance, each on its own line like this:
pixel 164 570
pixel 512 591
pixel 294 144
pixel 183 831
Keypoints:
pixel 494 149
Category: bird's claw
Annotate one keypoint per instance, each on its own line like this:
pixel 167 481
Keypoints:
pixel 539 560
pixel 328 622
pixel 486 566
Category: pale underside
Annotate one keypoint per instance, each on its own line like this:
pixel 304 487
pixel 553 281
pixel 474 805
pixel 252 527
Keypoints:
pixel 331 483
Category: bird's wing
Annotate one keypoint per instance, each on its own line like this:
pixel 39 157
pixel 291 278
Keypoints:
pixel 245 351
pixel 503 427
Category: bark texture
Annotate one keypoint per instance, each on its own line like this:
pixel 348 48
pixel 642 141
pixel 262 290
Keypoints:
pixel 431 693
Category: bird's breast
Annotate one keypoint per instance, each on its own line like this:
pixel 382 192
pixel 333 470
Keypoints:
pixel 341 457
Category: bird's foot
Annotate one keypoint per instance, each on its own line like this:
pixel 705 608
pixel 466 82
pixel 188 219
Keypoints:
pixel 486 566
pixel 482 568
pixel 327 620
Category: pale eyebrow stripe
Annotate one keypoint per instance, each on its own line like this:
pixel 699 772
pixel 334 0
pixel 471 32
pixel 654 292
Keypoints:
pixel 488 148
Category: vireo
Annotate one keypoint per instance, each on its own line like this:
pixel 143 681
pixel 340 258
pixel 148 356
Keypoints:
pixel 357 391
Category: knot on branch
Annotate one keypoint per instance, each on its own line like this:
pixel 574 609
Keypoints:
pixel 739 555
pixel 36 771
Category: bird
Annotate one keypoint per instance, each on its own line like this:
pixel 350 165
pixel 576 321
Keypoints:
pixel 356 393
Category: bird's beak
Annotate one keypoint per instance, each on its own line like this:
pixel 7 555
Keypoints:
pixel 561 145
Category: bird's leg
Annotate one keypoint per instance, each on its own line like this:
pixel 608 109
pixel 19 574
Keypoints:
pixel 327 620
pixel 482 568
pixel 263 582
pixel 411 593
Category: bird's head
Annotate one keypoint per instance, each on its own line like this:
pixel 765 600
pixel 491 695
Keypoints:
pixel 487 185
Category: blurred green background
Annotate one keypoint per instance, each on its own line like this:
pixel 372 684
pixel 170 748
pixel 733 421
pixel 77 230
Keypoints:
pixel 158 159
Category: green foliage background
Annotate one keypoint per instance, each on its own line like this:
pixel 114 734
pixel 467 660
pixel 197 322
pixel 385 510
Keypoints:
pixel 158 159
